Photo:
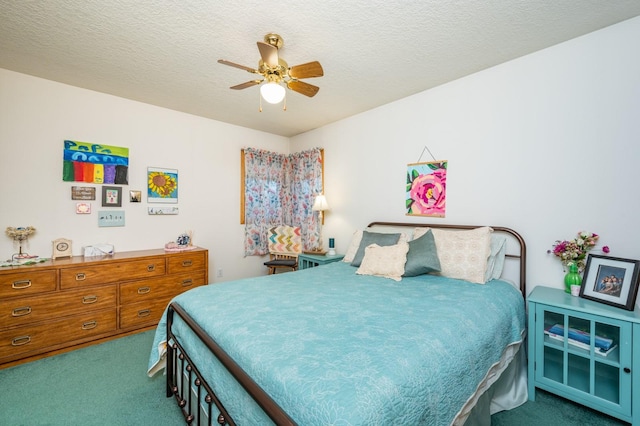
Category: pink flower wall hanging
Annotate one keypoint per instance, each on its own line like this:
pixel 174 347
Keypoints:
pixel 426 189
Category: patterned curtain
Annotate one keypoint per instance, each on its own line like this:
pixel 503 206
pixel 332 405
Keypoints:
pixel 304 182
pixel 279 190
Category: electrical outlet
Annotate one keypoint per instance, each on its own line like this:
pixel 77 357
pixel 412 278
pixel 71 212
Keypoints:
pixel 219 275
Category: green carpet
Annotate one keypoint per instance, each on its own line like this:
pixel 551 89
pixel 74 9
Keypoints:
pixel 104 384
pixel 550 410
pixel 107 384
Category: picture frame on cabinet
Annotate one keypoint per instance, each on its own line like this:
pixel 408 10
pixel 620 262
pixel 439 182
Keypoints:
pixel 111 196
pixel 611 280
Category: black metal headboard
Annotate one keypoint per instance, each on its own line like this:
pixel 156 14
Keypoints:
pixel 519 254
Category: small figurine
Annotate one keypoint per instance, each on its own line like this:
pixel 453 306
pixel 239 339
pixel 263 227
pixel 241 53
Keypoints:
pixel 183 242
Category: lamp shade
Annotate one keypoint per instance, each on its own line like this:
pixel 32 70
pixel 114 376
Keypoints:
pixel 272 92
pixel 320 203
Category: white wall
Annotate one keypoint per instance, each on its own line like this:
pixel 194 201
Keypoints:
pixel 37 115
pixel 546 144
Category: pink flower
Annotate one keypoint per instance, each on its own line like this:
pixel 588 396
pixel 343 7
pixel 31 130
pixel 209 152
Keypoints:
pixel 575 251
pixel 428 193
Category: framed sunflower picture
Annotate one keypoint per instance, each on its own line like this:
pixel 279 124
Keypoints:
pixel 162 185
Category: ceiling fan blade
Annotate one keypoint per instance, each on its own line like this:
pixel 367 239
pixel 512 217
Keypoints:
pixel 245 85
pixel 269 54
pixel 233 64
pixel 308 70
pixel 304 88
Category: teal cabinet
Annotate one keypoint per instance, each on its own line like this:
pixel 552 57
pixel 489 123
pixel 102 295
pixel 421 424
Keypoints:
pixel 584 351
pixel 306 261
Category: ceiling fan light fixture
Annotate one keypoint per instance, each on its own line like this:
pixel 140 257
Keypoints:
pixel 272 92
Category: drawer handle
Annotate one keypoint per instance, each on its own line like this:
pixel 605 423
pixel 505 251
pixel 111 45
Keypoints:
pixel 18 285
pixel 144 313
pixel 20 312
pixel 81 277
pixel 22 340
pixel 87 300
pixel 89 325
pixel 186 263
pixel 144 290
pixel 627 370
pixel 187 282
pixel 151 268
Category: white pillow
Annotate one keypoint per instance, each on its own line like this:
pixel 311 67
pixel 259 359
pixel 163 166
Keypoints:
pixel 464 254
pixel 353 247
pixel 387 261
pixel 495 263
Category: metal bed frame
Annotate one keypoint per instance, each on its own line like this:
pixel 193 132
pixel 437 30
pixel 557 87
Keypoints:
pixel 197 401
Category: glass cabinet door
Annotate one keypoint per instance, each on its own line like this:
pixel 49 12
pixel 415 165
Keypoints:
pixel 585 356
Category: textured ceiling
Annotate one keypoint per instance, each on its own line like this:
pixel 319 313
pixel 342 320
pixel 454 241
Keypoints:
pixel 165 52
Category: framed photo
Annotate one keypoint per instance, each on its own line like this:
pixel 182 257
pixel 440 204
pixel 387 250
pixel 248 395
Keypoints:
pixel 135 196
pixel 611 280
pixel 111 196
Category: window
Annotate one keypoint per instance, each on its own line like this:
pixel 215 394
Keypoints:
pixel 279 189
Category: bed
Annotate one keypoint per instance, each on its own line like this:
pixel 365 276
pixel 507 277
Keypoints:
pixel 339 345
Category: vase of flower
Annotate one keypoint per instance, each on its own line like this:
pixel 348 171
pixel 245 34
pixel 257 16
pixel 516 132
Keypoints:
pixel 572 278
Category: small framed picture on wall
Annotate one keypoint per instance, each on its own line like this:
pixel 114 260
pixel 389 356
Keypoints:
pixel 111 196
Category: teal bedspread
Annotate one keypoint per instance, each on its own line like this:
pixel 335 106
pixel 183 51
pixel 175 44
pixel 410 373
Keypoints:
pixel 335 348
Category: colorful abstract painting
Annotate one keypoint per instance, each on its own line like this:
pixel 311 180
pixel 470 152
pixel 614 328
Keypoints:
pixel 93 163
pixel 162 185
pixel 426 189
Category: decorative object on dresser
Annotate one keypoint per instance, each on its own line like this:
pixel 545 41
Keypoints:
pixel 20 235
pixel 182 243
pixel 611 280
pixel 102 249
pixel 61 248
pixel 53 307
pixel 584 351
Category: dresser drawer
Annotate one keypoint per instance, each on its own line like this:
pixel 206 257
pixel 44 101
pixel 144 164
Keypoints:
pixel 25 283
pixel 188 261
pixel 112 272
pixel 169 286
pixel 142 314
pixel 19 342
pixel 27 310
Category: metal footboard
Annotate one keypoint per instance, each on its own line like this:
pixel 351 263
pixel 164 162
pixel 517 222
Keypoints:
pixel 199 404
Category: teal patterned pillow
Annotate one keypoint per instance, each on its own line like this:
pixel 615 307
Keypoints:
pixel 422 257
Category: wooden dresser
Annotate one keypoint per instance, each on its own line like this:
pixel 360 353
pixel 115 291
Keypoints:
pixel 60 305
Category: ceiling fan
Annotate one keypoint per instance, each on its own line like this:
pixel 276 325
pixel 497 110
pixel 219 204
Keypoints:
pixel 275 72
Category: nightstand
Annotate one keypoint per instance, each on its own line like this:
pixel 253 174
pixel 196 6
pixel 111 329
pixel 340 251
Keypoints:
pixel 576 366
pixel 306 261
